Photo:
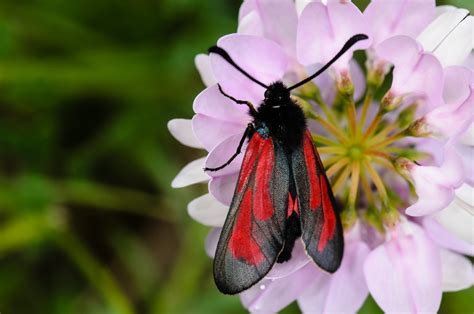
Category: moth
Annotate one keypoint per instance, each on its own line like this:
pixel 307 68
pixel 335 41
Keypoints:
pixel 282 193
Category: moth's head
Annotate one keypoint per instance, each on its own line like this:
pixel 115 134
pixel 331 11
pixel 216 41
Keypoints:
pixel 277 93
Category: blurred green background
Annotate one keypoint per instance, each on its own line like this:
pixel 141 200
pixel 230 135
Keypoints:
pixel 88 220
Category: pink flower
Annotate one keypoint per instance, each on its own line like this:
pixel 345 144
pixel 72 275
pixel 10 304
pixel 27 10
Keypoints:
pixel 407 154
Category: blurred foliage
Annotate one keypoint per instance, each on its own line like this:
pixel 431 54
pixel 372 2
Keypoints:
pixel 88 220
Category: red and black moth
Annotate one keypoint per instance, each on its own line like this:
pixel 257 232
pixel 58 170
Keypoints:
pixel 282 192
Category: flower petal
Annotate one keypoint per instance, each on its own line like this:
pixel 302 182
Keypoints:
pixel 270 296
pixel 277 21
pixel 458 217
pixel 323 31
pixel 343 291
pixel 222 152
pixel 222 188
pixel 415 71
pixel 208 211
pixel 446 37
pixel 445 238
pixel 435 185
pixel 211 131
pixel 404 274
pixel 203 64
pixel 182 130
pixel 210 102
pixel 404 17
pixel 211 241
pixel 298 260
pixel 261 58
pixel 457 271
pixel 457 81
pixel 192 173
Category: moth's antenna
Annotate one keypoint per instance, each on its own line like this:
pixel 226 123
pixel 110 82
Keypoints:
pixel 221 52
pixel 351 42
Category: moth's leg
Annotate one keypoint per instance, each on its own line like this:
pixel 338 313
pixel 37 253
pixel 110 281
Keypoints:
pixel 237 101
pixel 248 130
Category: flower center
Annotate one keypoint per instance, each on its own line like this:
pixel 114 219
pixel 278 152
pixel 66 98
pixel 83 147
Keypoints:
pixel 360 145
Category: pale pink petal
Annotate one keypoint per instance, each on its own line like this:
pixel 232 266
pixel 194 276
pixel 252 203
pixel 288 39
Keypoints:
pixel 182 130
pixel 298 260
pixel 404 274
pixel 452 120
pixel 250 24
pixel 203 64
pixel 211 131
pixel 358 79
pixel 277 20
pixel 323 31
pixel 192 173
pixel 457 271
pixel 222 153
pixel 271 296
pixel 208 211
pixel 458 216
pixel 402 17
pixel 446 37
pixel 468 137
pixel 211 241
pixel 445 238
pixel 342 292
pixel 457 82
pixel 263 59
pixel 435 185
pixel 210 102
pixel 467 155
pixel 415 71
pixel 222 188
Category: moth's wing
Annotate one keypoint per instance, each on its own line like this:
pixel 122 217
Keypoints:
pixel 320 222
pixel 253 233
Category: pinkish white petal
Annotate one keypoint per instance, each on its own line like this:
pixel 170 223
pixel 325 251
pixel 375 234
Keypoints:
pixel 415 71
pixel 203 64
pixel 323 31
pixel 212 103
pixel 271 296
pixel 272 19
pixel 445 238
pixel 211 241
pixel 458 217
pixel 343 291
pixel 263 59
pixel 298 260
pixel 457 84
pixel 404 274
pixel 211 131
pixel 222 152
pixel 435 185
pixel 457 270
pixel 222 188
pixel 468 137
pixel 446 37
pixel 403 17
pixel 208 211
pixel 182 130
pixel 467 155
pixel 192 173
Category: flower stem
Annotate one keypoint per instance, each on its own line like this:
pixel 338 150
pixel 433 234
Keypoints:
pixel 324 140
pixel 373 125
pixel 332 129
pixel 337 166
pixel 377 181
pixel 355 176
pixel 336 187
pixel 332 150
pixel 352 118
pixel 366 187
pixel 369 96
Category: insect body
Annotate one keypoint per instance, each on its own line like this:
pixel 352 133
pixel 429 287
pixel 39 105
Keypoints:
pixel 282 193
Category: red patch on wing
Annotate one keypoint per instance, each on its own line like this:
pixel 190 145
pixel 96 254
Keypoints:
pixel 309 154
pixel 263 206
pixel 241 244
pixel 329 225
pixel 251 154
pixel 292 205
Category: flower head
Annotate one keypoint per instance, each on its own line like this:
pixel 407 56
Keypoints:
pixel 396 145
